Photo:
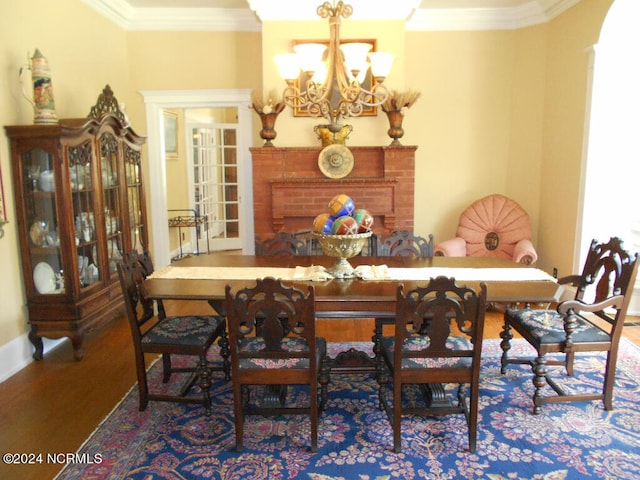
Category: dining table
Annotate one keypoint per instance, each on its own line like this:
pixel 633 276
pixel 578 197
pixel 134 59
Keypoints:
pixel 370 293
pixel 205 276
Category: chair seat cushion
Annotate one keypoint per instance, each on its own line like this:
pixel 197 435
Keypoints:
pixel 187 330
pixel 255 345
pixel 547 327
pixel 418 343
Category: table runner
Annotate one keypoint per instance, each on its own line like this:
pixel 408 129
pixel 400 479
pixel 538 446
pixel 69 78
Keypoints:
pixel 365 272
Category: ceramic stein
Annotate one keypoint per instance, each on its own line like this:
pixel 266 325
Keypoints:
pixel 44 110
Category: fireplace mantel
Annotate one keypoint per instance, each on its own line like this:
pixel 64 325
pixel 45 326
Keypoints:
pixel 289 190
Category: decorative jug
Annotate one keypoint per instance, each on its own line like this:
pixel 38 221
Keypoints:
pixel 44 110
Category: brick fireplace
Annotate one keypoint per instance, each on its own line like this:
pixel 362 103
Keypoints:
pixel 289 189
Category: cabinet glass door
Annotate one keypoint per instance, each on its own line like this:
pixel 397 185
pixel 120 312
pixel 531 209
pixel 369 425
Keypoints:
pixel 44 243
pixel 134 198
pixel 83 184
pixel 111 200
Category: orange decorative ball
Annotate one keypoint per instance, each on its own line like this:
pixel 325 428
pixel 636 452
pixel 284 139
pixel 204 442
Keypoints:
pixel 345 225
pixel 341 205
pixel 323 223
pixel 364 219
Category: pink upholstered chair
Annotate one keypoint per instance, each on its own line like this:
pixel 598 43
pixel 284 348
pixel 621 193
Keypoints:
pixel 494 226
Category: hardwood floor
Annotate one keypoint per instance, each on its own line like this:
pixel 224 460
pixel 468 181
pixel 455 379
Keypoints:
pixel 53 405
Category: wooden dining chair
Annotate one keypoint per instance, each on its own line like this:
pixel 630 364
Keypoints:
pixel 274 344
pixel 283 243
pixel 404 243
pixel 152 333
pixel 400 243
pixel 590 322
pixel 439 330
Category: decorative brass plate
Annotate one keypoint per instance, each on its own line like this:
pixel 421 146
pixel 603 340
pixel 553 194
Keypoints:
pixel 335 161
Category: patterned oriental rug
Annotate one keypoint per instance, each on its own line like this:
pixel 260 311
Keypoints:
pixel 567 441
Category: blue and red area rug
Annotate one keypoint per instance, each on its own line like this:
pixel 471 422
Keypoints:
pixel 567 441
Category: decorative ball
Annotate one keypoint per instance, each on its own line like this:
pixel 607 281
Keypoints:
pixel 341 205
pixel 364 219
pixel 345 225
pixel 323 223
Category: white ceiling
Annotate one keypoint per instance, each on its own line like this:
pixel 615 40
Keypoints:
pixel 247 15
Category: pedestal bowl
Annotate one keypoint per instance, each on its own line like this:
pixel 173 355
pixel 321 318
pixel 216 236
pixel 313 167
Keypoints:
pixel 343 247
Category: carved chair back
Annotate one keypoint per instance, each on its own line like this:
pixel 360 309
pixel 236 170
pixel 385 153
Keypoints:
pixel 405 244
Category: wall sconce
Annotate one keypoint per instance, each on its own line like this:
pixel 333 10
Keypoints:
pixel 336 67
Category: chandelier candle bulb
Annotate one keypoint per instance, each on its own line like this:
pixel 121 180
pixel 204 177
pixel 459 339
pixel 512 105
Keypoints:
pixel 288 66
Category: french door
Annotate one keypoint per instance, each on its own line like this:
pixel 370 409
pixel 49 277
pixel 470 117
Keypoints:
pixel 213 181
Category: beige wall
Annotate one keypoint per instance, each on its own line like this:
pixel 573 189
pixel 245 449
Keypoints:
pixel 570 37
pixel 500 112
pixel 469 125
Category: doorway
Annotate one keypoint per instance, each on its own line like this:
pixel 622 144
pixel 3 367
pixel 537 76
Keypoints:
pixel 158 101
pixel 611 166
pixel 213 182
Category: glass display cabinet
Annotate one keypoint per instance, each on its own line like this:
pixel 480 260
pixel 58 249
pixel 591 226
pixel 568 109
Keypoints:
pixel 80 205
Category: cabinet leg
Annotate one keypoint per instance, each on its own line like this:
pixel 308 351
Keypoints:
pixel 76 342
pixel 37 343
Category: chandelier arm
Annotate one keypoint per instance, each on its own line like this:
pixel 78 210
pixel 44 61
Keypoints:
pixel 351 109
pixel 291 97
pixel 316 93
pixel 374 97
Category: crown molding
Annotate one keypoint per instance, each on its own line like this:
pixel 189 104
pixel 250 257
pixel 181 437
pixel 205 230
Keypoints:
pixel 268 10
pixel 177 19
pixel 533 12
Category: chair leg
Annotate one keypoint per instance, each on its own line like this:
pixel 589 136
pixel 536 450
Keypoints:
pixel 569 363
pixel 505 344
pixel 313 407
pixel 166 367
pixel 377 335
pixel 397 417
pixel 143 387
pixel 472 420
pixel 225 352
pixel 539 381
pixel 382 377
pixel 239 394
pixel 324 378
pixel 610 378
pixel 204 376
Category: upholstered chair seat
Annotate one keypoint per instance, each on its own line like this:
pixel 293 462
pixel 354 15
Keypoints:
pixel 291 344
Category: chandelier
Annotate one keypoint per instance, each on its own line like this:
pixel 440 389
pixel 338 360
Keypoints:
pixel 339 68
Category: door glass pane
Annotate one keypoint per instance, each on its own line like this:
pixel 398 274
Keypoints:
pixel 111 199
pixel 134 194
pixel 83 184
pixel 44 241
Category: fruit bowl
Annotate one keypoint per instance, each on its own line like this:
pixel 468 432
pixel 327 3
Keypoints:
pixel 342 247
